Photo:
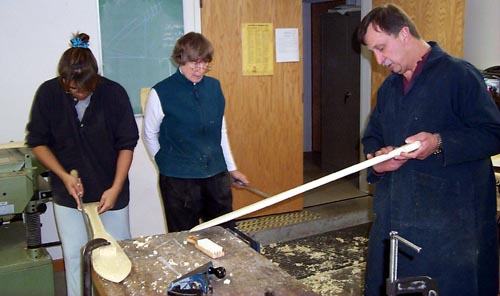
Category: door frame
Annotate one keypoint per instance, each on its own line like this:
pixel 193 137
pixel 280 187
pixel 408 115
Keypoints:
pixel 365 83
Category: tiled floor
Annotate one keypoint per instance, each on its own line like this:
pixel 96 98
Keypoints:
pixel 345 188
pixel 331 263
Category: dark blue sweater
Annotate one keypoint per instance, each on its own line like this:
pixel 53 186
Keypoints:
pixel 190 133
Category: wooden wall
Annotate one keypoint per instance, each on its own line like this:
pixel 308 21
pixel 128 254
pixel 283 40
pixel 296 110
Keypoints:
pixel 441 21
pixel 263 113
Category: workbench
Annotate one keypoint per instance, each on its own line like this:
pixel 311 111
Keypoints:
pixel 160 259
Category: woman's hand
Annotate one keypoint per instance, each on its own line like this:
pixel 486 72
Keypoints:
pixel 108 200
pixel 74 186
pixel 237 175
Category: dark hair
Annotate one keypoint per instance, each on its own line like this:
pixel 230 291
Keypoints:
pixel 78 65
pixel 388 18
pixel 192 47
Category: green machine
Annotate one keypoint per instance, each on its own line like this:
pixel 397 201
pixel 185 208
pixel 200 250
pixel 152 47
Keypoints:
pixel 25 266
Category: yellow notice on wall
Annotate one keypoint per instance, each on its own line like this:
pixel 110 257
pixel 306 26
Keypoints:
pixel 257 49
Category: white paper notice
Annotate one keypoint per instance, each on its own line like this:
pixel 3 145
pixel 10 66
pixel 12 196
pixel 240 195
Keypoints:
pixel 287 45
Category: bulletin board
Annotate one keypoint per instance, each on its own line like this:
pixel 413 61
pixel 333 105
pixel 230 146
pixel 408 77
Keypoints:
pixel 137 38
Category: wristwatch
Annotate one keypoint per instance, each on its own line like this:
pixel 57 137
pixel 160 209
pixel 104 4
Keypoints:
pixel 439 149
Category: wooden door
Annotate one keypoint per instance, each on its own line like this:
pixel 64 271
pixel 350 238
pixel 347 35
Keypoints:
pixel 340 102
pixel 263 113
pixel 441 21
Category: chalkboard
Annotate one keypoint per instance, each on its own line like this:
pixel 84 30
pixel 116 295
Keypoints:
pixel 137 38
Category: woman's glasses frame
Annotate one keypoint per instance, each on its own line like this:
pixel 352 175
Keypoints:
pixel 200 65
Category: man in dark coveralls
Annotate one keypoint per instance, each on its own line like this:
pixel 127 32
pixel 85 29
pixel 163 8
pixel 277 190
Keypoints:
pixel 442 196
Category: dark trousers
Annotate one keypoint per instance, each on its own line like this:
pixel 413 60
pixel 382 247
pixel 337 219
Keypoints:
pixel 187 201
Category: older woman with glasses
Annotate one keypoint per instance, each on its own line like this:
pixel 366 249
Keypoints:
pixel 185 133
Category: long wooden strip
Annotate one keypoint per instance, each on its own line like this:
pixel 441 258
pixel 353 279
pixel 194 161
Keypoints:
pixel 308 186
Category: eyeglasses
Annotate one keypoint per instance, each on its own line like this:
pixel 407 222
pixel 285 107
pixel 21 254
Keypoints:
pixel 200 65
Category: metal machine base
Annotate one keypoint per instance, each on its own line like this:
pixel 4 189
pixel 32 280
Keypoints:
pixel 23 272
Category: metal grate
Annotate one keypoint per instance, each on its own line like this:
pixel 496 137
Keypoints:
pixel 274 221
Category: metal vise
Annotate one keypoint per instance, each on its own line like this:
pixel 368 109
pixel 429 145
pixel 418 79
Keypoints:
pixel 423 285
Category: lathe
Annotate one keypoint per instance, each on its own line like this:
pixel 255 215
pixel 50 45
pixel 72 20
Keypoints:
pixel 25 266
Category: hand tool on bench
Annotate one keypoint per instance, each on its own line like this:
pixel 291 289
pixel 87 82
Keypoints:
pixel 110 261
pixel 206 246
pixel 196 282
pixel 305 187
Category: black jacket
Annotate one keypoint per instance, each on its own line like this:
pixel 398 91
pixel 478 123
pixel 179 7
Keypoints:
pixel 90 146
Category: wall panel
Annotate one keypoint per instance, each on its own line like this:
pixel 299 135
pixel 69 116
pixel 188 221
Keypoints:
pixel 441 21
pixel 263 113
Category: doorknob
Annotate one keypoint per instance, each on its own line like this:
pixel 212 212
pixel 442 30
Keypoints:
pixel 347 95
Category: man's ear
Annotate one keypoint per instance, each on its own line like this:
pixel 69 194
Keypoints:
pixel 404 33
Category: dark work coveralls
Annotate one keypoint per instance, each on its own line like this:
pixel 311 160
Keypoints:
pixel 445 204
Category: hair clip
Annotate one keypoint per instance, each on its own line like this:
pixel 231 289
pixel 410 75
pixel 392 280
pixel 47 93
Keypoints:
pixel 76 42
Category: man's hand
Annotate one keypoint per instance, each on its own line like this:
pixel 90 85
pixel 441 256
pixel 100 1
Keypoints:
pixel 388 165
pixel 428 144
